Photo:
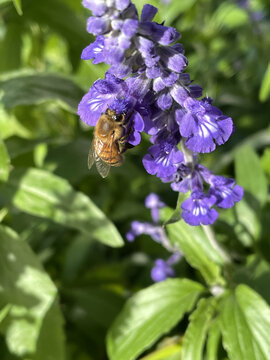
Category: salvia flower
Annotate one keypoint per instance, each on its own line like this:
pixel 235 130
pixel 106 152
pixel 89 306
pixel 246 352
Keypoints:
pixel 146 80
pixel 162 269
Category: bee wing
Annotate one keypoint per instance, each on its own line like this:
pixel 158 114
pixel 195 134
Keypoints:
pixel 102 167
pixel 91 155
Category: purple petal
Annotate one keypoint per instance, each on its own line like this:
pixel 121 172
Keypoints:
pixel 94 50
pixel 169 78
pixel 91 107
pixel 138 85
pixel 164 35
pixel 137 121
pixel 153 72
pixel 97 26
pixel 121 4
pixel 164 101
pixel 197 209
pixel 179 94
pixel 187 123
pixel 158 84
pixel 98 7
pixel 134 138
pixel 195 91
pixel 148 12
pixel 149 164
pixel 130 27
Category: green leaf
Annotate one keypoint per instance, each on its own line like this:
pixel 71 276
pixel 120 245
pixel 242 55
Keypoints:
pixel 168 349
pixel 198 250
pixel 4 312
pixel 32 298
pixel 228 15
pixel 10 126
pixel 249 173
pixel 18 6
pixel 43 194
pixel 265 160
pixel 75 257
pixel 245 325
pixel 196 332
pixel 265 86
pixel 248 228
pixel 70 26
pixel 4 162
pixel 11 55
pixel 255 273
pixel 175 9
pixel 149 314
pixel 36 89
pixel 213 340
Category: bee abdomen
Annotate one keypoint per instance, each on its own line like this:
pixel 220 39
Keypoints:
pixel 112 160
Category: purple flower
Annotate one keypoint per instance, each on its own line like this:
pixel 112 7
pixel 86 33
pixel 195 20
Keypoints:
pixel 225 191
pixel 113 93
pixel 162 159
pixel 156 232
pixel 197 209
pixel 94 51
pixel 154 203
pixel 204 126
pixel 159 98
pixel 161 271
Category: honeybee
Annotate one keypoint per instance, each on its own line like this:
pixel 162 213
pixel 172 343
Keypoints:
pixel 109 142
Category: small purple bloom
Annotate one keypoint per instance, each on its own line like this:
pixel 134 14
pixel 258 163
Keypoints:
pixel 98 7
pixel 162 159
pixel 197 209
pixel 97 25
pixel 225 191
pixel 100 96
pixel 154 203
pixel 161 271
pixel 204 126
pixel 156 232
pixel 94 51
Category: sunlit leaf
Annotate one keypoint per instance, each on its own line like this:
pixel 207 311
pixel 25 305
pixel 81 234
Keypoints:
pixel 249 173
pixel 195 336
pixel 169 349
pixel 265 86
pixel 245 325
pixel 4 162
pixel 229 15
pixel 18 6
pixel 197 249
pixel 213 340
pixel 33 325
pixel 149 314
pixel 43 194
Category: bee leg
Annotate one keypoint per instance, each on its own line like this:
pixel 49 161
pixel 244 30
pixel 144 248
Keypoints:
pixel 124 146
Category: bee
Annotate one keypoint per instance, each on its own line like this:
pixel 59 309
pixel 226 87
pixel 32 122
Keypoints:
pixel 109 142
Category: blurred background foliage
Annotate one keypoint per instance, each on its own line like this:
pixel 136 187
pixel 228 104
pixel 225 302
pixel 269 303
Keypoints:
pixel 66 288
